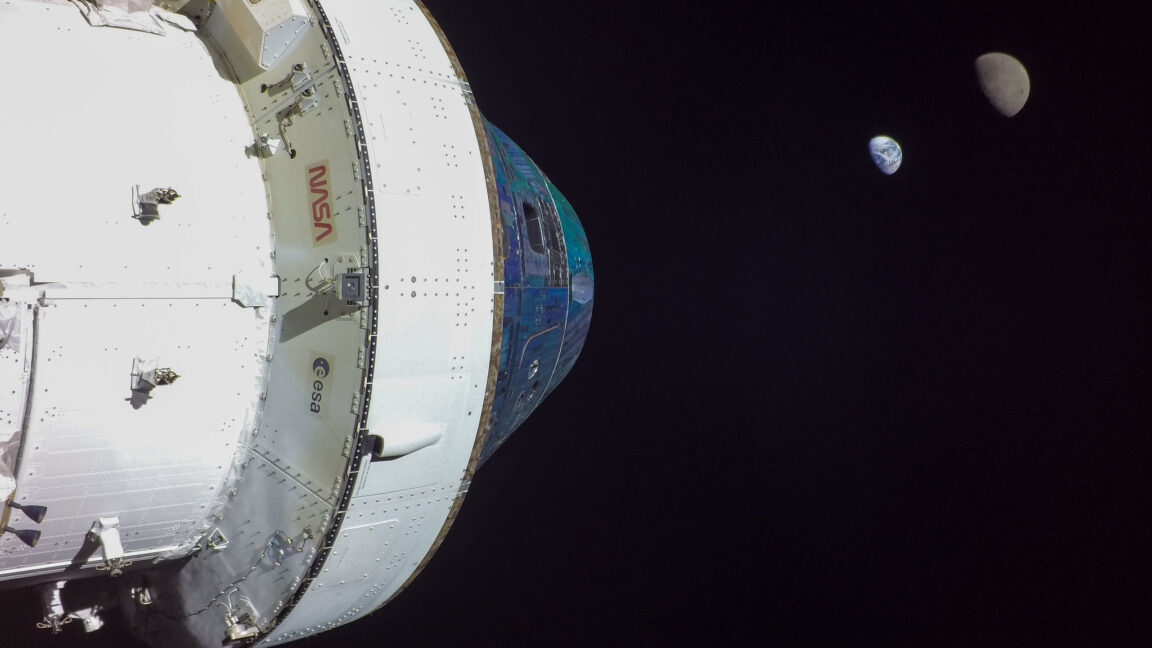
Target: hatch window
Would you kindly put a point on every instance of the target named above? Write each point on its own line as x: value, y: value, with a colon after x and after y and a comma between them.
x: 535, y: 227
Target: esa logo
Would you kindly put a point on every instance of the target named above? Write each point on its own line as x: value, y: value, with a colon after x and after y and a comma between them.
x: 321, y: 369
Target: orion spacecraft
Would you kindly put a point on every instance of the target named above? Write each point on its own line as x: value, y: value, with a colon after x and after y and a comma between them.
x: 271, y: 290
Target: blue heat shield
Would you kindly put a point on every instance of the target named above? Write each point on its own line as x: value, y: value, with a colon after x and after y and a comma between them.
x: 548, y: 288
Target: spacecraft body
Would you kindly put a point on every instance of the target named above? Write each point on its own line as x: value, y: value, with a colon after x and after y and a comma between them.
x: 271, y: 289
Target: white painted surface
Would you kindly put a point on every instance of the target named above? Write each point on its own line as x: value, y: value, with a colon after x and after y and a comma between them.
x: 436, y: 301
x: 268, y: 28
x: 73, y: 150
x: 15, y: 373
x: 244, y: 442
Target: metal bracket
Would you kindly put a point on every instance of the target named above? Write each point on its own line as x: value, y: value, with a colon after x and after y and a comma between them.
x: 216, y: 540
x: 279, y: 544
x: 243, y: 625
x: 147, y: 376
x: 265, y: 146
x: 142, y: 595
x: 146, y: 206
x: 276, y: 547
x: 106, y: 531
x: 307, y: 98
x: 90, y: 617
x: 54, y: 615
x: 300, y: 80
x: 241, y: 628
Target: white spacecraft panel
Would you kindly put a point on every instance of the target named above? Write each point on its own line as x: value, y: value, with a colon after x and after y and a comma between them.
x: 435, y: 331
x: 315, y: 326
x: 255, y: 563
x: 160, y: 116
x: 15, y: 371
x: 89, y: 452
x: 295, y: 467
x: 363, y: 154
x: 267, y: 28
x: 436, y: 254
x: 127, y: 112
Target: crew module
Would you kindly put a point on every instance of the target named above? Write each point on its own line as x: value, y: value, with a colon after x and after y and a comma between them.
x: 271, y: 290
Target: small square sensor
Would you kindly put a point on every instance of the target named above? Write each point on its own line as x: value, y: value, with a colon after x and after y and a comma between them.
x: 352, y: 287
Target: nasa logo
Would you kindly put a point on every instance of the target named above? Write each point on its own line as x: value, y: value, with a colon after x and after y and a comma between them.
x: 321, y: 368
x: 323, y: 231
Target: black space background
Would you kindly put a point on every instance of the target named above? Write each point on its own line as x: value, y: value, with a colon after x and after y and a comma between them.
x: 819, y: 405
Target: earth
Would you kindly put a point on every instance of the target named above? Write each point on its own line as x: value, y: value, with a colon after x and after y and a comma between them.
x: 886, y: 153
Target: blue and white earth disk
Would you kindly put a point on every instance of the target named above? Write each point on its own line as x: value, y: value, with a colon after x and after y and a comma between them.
x: 886, y: 153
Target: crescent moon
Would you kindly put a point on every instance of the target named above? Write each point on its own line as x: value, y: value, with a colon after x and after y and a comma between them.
x: 1004, y: 82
